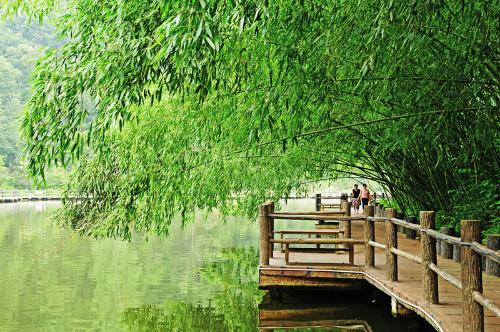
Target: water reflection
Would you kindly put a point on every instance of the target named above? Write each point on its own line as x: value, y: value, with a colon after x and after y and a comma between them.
x: 202, y: 278
x: 233, y: 308
x: 309, y: 310
x: 52, y: 279
x: 239, y: 306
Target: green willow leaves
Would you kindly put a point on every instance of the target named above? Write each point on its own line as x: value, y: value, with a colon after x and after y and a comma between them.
x: 235, y: 85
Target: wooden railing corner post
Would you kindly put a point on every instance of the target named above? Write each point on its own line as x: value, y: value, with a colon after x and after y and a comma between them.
x: 391, y: 242
x: 473, y: 312
x: 369, y: 211
x: 270, y: 210
x: 317, y: 202
x: 428, y: 249
x: 345, y: 207
x: 264, y: 235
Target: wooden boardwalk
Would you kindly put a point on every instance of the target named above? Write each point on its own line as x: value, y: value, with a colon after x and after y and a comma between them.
x: 333, y: 270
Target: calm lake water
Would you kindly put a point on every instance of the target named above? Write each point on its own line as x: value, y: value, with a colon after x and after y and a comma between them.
x: 202, y: 278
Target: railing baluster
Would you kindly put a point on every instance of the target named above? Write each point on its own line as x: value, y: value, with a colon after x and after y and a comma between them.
x: 473, y: 314
x: 264, y: 235
x: 428, y: 248
x: 369, y: 236
x: 270, y: 210
x: 391, y: 242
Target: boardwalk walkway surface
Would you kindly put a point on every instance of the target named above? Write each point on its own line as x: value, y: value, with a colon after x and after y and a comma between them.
x: 332, y: 270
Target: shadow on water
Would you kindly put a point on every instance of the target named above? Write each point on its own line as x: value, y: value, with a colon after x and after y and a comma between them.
x: 312, y: 310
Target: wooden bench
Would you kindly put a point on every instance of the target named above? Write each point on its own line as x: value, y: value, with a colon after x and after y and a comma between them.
x: 317, y: 233
x: 348, y: 242
x: 311, y: 231
x: 324, y: 225
x: 324, y: 206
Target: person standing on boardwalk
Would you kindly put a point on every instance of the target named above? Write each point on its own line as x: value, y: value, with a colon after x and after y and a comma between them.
x: 355, y: 198
x: 365, y: 196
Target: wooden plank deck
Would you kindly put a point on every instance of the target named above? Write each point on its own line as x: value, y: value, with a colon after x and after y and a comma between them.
x: 333, y: 272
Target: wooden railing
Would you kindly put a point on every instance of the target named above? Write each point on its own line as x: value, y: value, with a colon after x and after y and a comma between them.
x: 27, y: 193
x: 319, y: 204
x: 470, y: 282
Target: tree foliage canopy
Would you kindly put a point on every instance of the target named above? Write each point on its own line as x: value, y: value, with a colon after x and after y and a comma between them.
x: 257, y: 97
x: 19, y: 47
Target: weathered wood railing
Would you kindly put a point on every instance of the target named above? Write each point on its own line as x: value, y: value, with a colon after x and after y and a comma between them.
x: 470, y: 282
x: 319, y: 204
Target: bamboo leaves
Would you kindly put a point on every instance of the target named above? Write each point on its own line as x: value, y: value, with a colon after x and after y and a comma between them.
x: 401, y: 83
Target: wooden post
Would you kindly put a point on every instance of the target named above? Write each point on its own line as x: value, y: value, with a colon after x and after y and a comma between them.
x: 447, y: 248
x: 411, y: 234
x: 264, y: 236
x: 317, y: 202
x: 457, y: 253
x: 378, y: 211
x: 344, y: 197
x: 401, y: 216
x: 369, y: 236
x: 345, y: 207
x: 391, y: 234
x: 270, y: 209
x: 493, y: 243
x: 473, y: 315
x: 428, y: 248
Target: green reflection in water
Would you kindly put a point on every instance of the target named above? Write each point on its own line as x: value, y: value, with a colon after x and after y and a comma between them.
x: 54, y: 280
x: 202, y: 278
x: 233, y: 307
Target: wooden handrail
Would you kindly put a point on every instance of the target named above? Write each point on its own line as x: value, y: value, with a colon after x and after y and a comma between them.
x: 407, y: 255
x: 487, y: 303
x: 318, y: 241
x: 406, y: 224
x: 310, y: 213
x: 471, y: 275
x: 447, y: 238
x: 317, y: 231
x: 446, y: 276
x: 376, y: 244
x: 280, y: 215
x: 433, y: 233
x: 480, y: 249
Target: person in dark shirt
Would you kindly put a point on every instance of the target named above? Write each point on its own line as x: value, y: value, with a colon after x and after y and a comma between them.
x: 355, y: 198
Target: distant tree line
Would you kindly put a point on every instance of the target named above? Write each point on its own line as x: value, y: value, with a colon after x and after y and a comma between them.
x: 20, y: 45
